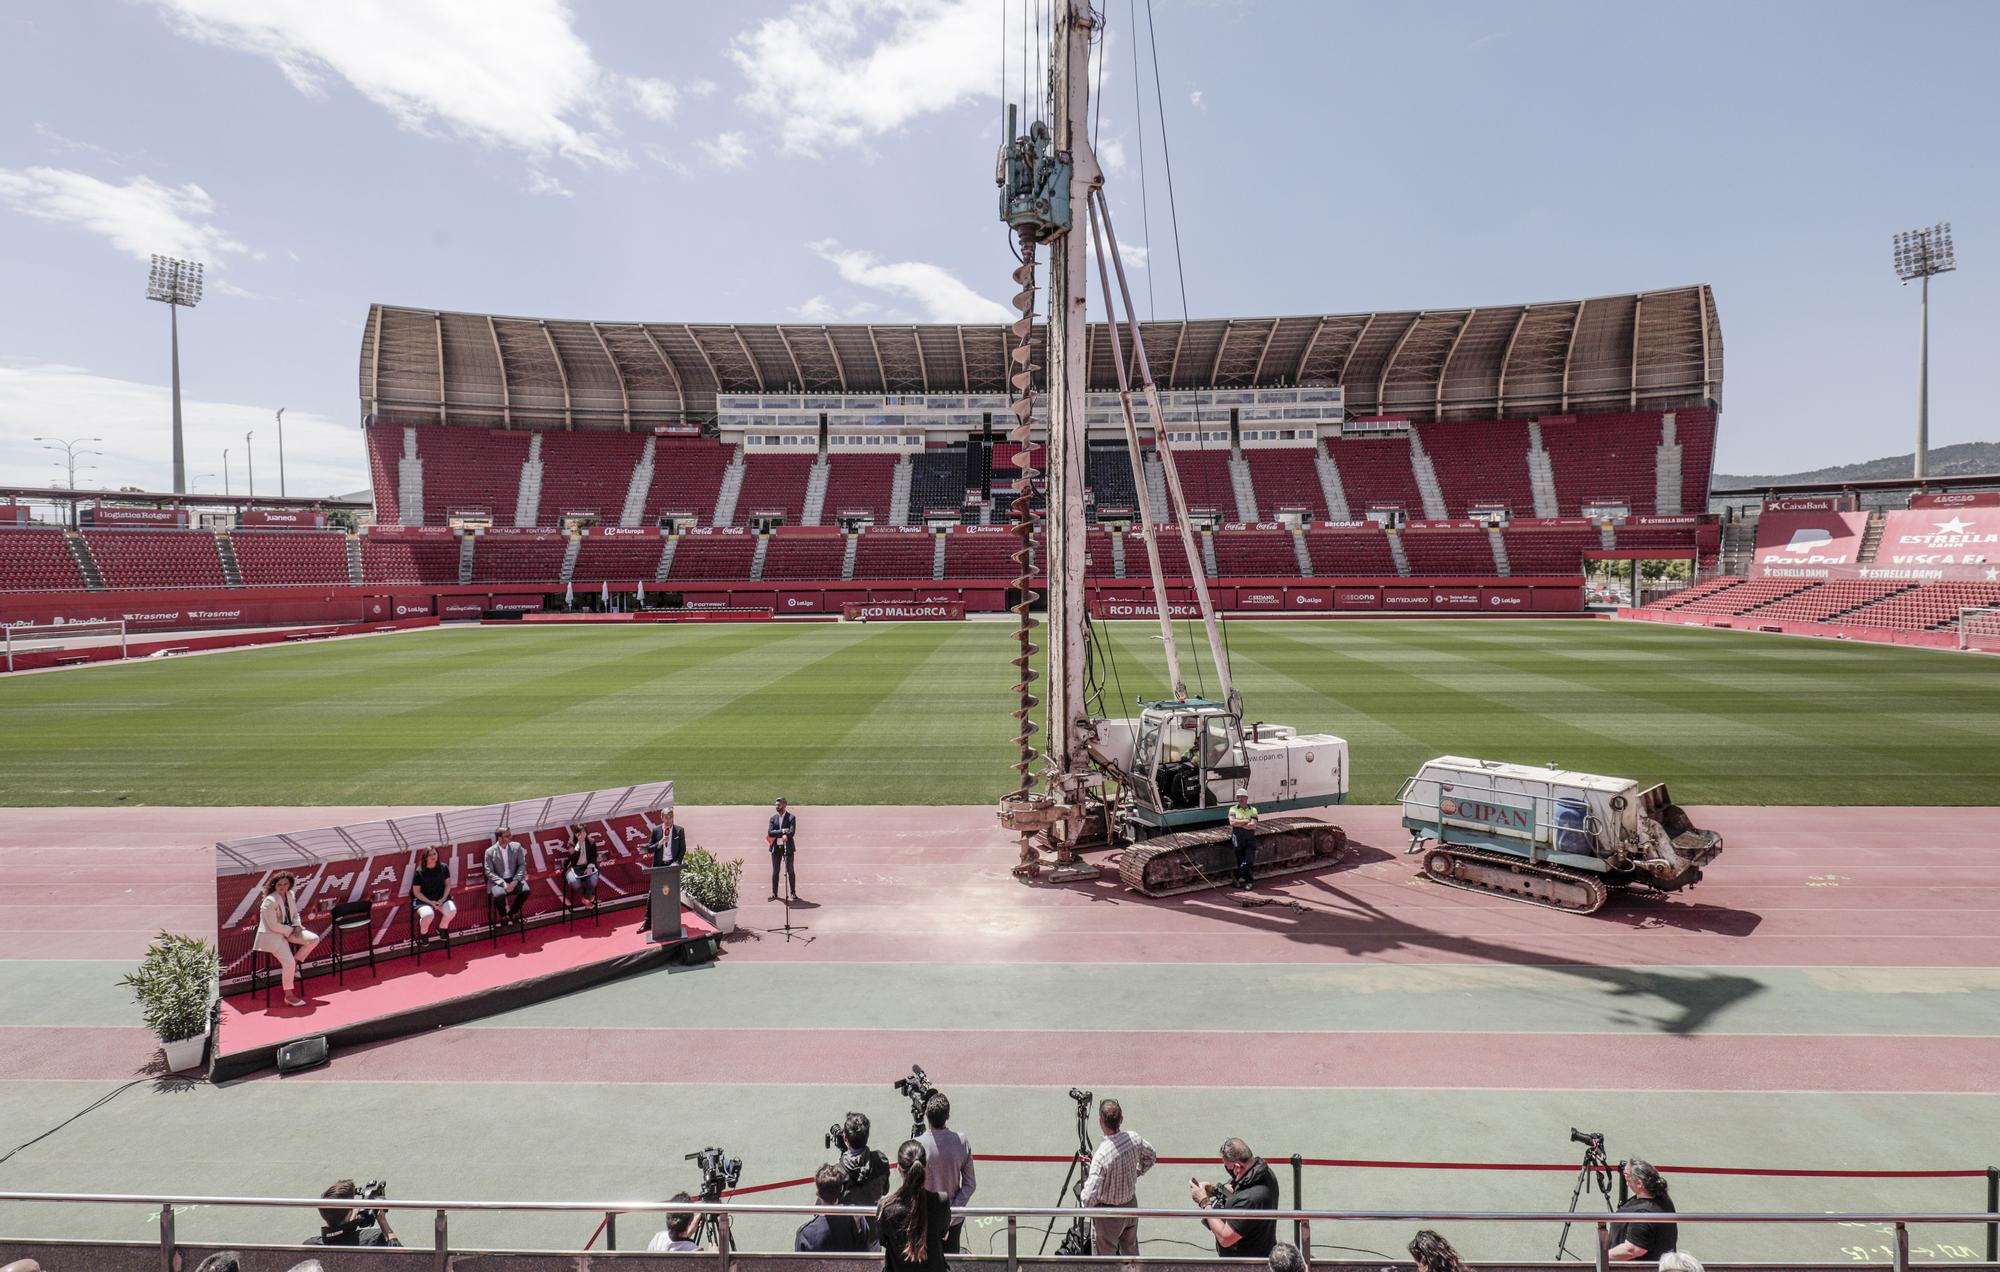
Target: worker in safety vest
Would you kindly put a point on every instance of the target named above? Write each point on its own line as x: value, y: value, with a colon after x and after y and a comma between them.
x: 1243, y: 836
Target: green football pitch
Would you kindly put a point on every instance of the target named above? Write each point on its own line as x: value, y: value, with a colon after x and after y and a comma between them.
x: 918, y: 713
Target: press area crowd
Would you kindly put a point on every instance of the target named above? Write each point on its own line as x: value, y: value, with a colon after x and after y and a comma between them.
x: 917, y: 1198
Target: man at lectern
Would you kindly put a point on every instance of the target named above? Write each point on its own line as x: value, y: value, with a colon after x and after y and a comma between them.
x: 668, y: 844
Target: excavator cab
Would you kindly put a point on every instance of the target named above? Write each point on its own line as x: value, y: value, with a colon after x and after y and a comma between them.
x: 1189, y: 756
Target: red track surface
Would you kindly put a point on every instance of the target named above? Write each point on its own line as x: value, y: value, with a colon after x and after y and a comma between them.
x: 1794, y: 887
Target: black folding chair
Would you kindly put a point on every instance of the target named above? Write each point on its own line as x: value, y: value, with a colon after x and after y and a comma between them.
x: 496, y: 919
x: 352, y: 916
x: 571, y: 905
x: 420, y: 938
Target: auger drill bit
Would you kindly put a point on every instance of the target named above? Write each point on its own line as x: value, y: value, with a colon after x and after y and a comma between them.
x: 1021, y: 375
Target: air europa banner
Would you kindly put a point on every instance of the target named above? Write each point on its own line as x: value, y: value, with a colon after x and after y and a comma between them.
x: 1805, y: 545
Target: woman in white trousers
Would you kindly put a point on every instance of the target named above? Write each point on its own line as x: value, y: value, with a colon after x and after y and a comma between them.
x: 282, y: 935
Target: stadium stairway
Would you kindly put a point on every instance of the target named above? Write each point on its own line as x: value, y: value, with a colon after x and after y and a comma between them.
x: 937, y: 558
x: 354, y: 559
x: 1498, y: 542
x: 726, y: 494
x: 1397, y: 554
x: 640, y: 485
x: 232, y: 573
x: 1667, y: 471
x: 1241, y: 486
x: 1330, y: 486
x: 86, y: 564
x: 899, y: 492
x: 410, y: 481
x: 1156, y: 489
x: 1871, y: 537
x: 466, y: 549
x: 1427, y: 480
x: 757, y: 558
x: 569, y: 558
x: 1541, y: 475
x: 852, y: 546
x: 815, y: 503
x: 667, y: 548
x: 1301, y: 554
x: 528, y: 499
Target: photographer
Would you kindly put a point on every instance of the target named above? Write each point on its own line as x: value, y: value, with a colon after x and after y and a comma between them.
x: 1251, y: 1186
x: 1113, y: 1180
x: 344, y: 1226
x: 678, y: 1235
x: 864, y: 1172
x: 1632, y: 1241
x: 833, y: 1234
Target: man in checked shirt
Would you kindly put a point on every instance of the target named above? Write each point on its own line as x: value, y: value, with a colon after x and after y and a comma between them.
x: 1113, y: 1180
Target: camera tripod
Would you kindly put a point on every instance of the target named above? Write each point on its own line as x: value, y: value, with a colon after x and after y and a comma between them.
x: 1595, y: 1170
x: 1077, y: 1240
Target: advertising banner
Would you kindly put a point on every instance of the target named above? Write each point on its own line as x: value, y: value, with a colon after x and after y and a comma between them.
x: 375, y: 861
x: 1455, y: 598
x: 15, y: 515
x: 165, y: 518
x: 1106, y: 607
x: 1810, y: 503
x: 188, y: 608
x: 1926, y: 538
x: 1406, y: 598
x: 1306, y: 598
x: 1260, y: 598
x: 409, y: 532
x: 1507, y: 598
x: 901, y: 611
x: 798, y: 602
x: 282, y: 519
x: 1357, y: 598
x: 1958, y: 499
x: 622, y: 532
x: 1801, y: 545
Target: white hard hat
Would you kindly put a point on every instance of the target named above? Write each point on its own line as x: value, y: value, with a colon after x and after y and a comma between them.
x: 1242, y: 793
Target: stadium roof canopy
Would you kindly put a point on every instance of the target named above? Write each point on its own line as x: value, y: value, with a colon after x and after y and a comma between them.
x: 1609, y: 353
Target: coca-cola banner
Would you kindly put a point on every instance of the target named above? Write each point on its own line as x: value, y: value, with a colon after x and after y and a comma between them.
x: 282, y: 518
x: 1958, y: 499
x: 375, y: 861
x: 1802, y: 545
x: 164, y: 518
x: 902, y: 612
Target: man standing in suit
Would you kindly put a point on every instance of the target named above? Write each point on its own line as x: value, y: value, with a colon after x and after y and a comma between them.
x: 507, y: 874
x: 781, y: 835
x: 667, y: 845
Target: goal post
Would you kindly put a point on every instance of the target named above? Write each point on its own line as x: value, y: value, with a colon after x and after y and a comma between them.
x: 1980, y: 629
x: 28, y: 638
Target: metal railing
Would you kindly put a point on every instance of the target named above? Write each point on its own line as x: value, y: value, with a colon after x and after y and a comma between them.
x: 1898, y: 1221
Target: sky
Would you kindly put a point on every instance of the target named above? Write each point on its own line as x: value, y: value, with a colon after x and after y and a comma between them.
x: 832, y: 160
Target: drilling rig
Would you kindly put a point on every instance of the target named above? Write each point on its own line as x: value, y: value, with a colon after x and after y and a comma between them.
x: 1156, y: 786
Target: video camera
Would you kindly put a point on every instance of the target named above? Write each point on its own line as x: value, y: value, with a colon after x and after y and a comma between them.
x: 1592, y: 1141
x: 718, y: 1173
x: 919, y: 1090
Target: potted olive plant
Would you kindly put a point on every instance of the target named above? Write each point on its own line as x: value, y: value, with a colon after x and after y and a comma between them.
x: 710, y: 887
x: 175, y: 987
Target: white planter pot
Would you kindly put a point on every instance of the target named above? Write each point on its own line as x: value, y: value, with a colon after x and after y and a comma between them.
x: 724, y: 921
x: 185, y: 1054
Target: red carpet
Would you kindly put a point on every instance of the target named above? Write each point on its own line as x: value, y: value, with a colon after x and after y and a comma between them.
x: 402, y: 996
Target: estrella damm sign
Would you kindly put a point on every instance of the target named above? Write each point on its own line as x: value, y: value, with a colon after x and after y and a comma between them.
x: 1488, y: 813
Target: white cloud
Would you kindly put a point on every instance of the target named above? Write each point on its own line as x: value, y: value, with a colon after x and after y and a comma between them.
x: 542, y: 183
x: 935, y: 289
x: 1111, y: 154
x: 836, y: 72
x: 728, y: 150
x: 820, y: 309
x: 1194, y: 100
x: 59, y: 142
x: 653, y: 98
x: 503, y: 72
x: 140, y: 216
x: 322, y: 457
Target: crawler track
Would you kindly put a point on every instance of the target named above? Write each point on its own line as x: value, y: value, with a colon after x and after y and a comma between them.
x: 1191, y: 860
x: 1555, y: 887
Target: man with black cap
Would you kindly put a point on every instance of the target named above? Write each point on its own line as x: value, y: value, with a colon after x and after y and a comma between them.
x: 781, y: 836
x: 1243, y: 837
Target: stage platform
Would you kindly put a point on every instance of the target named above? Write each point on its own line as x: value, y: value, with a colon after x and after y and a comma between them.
x: 402, y: 996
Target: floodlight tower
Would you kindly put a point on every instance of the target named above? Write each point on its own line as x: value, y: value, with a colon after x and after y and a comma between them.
x: 174, y: 283
x: 1922, y: 254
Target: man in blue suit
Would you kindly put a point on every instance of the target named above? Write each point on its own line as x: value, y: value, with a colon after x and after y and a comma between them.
x: 781, y: 836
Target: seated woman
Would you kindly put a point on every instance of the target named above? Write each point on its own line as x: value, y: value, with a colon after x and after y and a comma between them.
x: 282, y: 935
x: 430, y: 892
x: 580, y: 870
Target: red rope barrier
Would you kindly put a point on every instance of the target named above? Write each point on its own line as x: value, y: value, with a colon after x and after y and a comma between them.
x: 1358, y: 1163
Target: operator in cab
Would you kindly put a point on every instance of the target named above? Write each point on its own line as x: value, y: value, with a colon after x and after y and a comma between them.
x: 1243, y: 837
